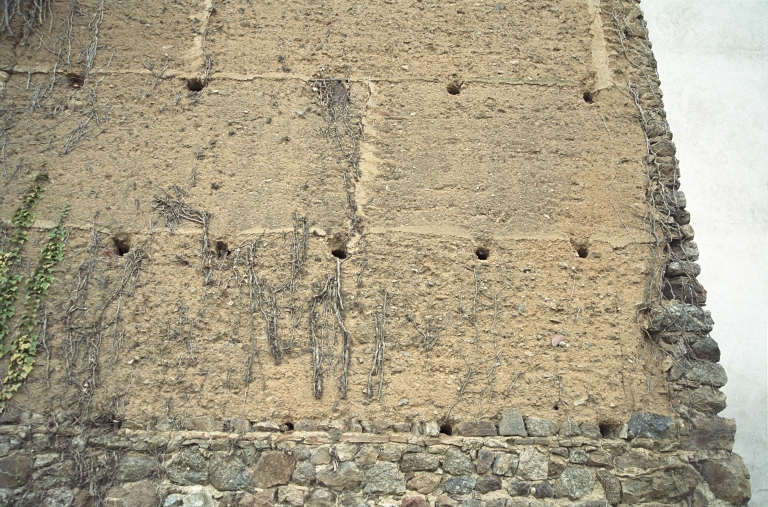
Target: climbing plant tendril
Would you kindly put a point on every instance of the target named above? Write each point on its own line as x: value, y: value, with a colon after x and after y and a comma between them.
x: 23, y: 347
x: 9, y: 260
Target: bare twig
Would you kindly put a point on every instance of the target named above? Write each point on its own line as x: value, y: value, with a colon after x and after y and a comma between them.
x: 622, y: 220
x: 380, y: 330
x: 159, y: 76
x: 431, y: 332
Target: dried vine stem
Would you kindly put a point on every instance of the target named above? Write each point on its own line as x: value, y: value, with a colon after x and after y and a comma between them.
x: 133, y: 264
x: 666, y: 219
x: 471, y: 378
x: 93, y: 111
x: 173, y: 209
x: 661, y: 224
x: 270, y: 311
x: 208, y: 62
x: 323, y: 327
x: 431, y: 332
x: 270, y: 297
x: 346, y: 339
x: 159, y: 76
x: 380, y: 331
x: 78, y: 333
x: 319, y: 337
x: 83, y: 338
x: 42, y: 93
x: 333, y: 98
x: 88, y: 54
x: 34, y: 12
x: 247, y: 254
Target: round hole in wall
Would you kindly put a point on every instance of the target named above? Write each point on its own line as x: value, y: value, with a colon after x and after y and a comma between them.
x: 482, y: 253
x: 588, y: 97
x: 122, y: 245
x: 583, y: 252
x: 446, y: 429
x: 608, y: 430
x: 556, y: 407
x: 453, y: 88
x: 339, y: 253
x: 222, y: 250
x: 75, y: 80
x: 195, y: 84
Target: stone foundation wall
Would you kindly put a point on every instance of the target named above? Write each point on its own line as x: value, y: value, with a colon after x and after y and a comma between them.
x: 507, y: 462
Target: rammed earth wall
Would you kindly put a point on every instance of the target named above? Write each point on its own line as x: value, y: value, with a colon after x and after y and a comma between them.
x: 459, y: 280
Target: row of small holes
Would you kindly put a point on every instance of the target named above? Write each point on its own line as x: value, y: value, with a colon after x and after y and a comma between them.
x: 454, y: 88
x: 123, y: 246
x: 606, y: 430
x: 481, y: 253
x: 197, y: 84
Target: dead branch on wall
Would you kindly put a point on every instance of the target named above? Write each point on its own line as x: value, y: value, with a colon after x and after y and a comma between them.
x: 131, y: 269
x: 207, y: 62
x: 270, y: 311
x: 44, y: 337
x: 482, y: 376
x: 84, y: 115
x: 299, y: 246
x: 483, y: 298
x: 90, y: 470
x: 80, y: 334
x: 430, y: 331
x: 43, y: 92
x: 273, y: 299
x: 93, y: 113
x: 380, y: 332
x: 247, y: 255
x: 173, y: 209
x: 149, y: 64
x: 643, y: 82
x: 88, y: 54
x: 497, y: 310
x: 32, y: 12
x: 83, y: 333
x: 333, y: 97
x: 327, y: 319
x: 320, y: 336
x: 346, y: 339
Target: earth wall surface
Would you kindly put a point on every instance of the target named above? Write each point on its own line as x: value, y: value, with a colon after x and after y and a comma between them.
x: 330, y: 253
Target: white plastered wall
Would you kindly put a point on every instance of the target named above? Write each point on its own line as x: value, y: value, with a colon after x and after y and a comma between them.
x: 713, y: 63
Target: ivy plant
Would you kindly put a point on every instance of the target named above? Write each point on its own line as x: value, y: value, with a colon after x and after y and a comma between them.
x: 23, y: 347
x: 10, y: 258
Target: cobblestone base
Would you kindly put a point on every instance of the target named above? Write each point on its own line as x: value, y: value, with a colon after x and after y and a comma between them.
x: 508, y: 462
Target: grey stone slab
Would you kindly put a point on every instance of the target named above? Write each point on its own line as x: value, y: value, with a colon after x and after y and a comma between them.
x: 512, y: 424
